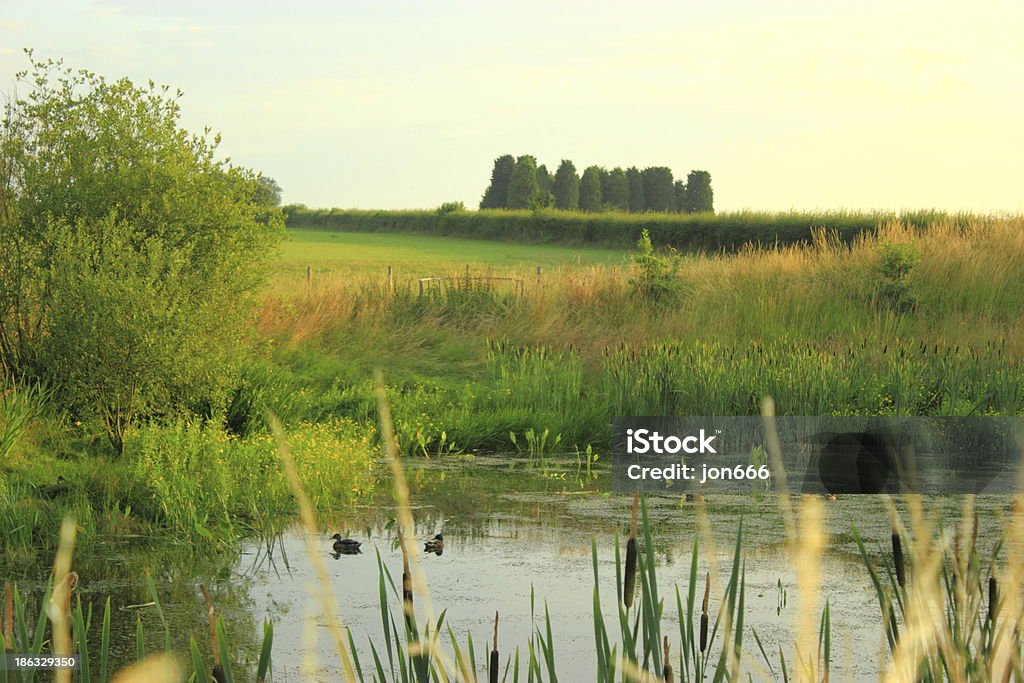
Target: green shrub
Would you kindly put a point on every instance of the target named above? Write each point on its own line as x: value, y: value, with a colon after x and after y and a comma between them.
x: 655, y: 276
x: 131, y: 256
x: 896, y: 265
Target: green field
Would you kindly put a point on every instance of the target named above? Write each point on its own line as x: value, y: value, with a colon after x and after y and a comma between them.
x: 351, y: 253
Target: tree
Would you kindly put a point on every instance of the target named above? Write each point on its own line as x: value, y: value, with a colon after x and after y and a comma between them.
x: 544, y: 182
x: 268, y: 192
x: 566, y: 187
x: 131, y: 256
x: 523, y: 191
x: 615, y: 191
x: 636, y: 190
x: 590, y: 189
x: 699, y: 196
x: 679, y: 187
x: 496, y: 195
x: 659, y: 194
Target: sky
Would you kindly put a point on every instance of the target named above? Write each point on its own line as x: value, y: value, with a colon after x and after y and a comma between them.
x: 789, y: 104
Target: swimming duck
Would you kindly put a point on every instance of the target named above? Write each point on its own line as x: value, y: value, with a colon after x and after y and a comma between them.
x: 435, y: 545
x: 52, y: 491
x: 345, y: 546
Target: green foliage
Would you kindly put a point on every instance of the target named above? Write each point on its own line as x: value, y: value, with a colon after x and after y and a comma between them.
x: 19, y: 406
x: 615, y: 190
x: 679, y: 187
x: 659, y: 194
x: 685, y: 232
x: 654, y: 276
x: 895, y: 268
x: 268, y: 192
x: 637, y: 204
x: 590, y: 190
x: 523, y: 191
x: 496, y: 195
x: 566, y: 187
x: 449, y: 207
x: 698, y: 197
x: 545, y: 181
x: 131, y: 254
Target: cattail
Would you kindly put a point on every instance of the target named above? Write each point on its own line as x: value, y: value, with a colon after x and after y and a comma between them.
x: 993, y: 599
x: 704, y: 615
x: 211, y: 617
x: 629, y: 580
x: 493, y: 668
x: 897, y: 558
x: 666, y: 671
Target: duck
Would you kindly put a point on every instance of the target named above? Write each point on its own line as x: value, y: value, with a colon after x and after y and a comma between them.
x: 435, y: 545
x: 346, y: 546
x: 57, y: 490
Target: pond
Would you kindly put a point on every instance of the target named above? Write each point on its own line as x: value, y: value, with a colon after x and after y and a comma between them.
x: 510, y: 531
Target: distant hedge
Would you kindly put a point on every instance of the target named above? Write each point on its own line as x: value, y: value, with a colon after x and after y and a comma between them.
x: 686, y: 232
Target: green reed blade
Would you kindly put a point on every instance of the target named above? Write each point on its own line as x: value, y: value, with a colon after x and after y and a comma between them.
x: 198, y: 666
x: 268, y: 643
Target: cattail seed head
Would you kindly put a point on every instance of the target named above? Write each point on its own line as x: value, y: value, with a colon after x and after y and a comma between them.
x: 993, y: 599
x: 897, y: 558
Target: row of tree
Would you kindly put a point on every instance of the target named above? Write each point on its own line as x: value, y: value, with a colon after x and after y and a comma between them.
x: 522, y: 184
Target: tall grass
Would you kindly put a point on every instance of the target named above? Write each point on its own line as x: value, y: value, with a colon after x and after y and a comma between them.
x: 814, y: 325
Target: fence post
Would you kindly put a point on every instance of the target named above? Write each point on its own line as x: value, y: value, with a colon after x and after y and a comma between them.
x: 421, y: 288
x: 309, y: 276
x: 390, y: 282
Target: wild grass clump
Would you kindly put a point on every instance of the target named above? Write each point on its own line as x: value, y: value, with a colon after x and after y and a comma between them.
x: 194, y: 483
x: 201, y: 481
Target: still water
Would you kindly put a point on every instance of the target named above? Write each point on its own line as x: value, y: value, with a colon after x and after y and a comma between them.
x: 510, y: 531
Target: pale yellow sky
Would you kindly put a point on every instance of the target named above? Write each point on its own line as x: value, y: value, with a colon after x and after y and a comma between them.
x: 807, y: 105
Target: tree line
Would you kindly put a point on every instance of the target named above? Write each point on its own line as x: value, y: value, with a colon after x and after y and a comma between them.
x: 519, y: 183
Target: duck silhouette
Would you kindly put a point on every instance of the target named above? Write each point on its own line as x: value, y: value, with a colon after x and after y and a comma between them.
x: 57, y: 490
x: 345, y: 546
x: 435, y: 545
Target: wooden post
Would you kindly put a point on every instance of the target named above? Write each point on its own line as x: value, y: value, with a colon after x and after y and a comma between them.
x: 538, y: 272
x: 390, y: 282
x: 421, y: 288
x: 309, y: 276
x: 467, y: 272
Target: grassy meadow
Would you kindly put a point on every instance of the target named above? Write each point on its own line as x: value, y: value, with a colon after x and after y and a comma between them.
x: 824, y: 328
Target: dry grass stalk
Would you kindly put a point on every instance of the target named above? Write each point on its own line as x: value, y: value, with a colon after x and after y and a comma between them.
x: 59, y: 609
x: 410, y: 550
x: 328, y: 603
x: 807, y: 558
x: 8, y: 629
x: 211, y: 621
x: 159, y: 668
